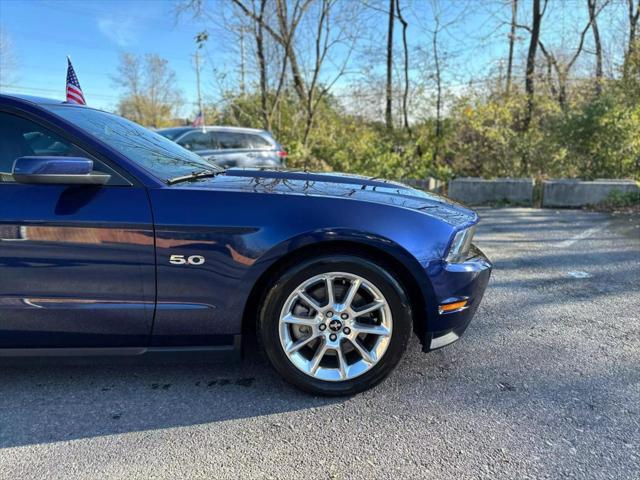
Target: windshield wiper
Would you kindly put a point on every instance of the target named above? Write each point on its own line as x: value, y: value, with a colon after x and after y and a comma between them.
x: 194, y: 176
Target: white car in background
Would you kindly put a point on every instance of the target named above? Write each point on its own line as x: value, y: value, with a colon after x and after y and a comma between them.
x: 230, y: 146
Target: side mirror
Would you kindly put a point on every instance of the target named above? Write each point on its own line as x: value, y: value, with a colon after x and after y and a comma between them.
x: 57, y: 170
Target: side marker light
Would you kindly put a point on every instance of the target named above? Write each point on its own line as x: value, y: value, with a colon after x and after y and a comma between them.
x: 450, y: 307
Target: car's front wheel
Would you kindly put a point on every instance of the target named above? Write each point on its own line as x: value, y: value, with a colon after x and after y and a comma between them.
x: 335, y: 325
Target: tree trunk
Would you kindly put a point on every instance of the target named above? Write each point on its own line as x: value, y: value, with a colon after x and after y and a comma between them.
x: 531, y: 67
x: 320, y: 51
x: 388, y: 112
x: 262, y: 66
x: 512, y: 41
x: 405, y: 46
x: 598, y: 44
x: 287, y: 34
x: 563, y: 77
x: 633, y: 40
x: 552, y: 87
x: 284, y: 36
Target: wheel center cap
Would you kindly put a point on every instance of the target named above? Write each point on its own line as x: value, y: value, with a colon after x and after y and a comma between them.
x: 335, y: 325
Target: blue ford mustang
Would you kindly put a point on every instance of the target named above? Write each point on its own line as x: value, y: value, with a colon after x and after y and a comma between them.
x: 114, y: 241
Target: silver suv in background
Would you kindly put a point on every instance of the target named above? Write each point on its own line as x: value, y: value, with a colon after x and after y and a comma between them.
x: 230, y: 146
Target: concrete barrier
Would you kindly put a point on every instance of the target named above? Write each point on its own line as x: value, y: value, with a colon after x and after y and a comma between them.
x: 576, y: 193
x: 429, y: 183
x: 478, y: 191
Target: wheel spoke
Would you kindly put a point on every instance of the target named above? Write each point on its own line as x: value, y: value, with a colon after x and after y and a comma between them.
x: 331, y: 299
x: 380, y: 330
x: 295, y: 346
x: 295, y: 320
x: 353, y: 289
x: 364, y: 353
x: 372, y: 307
x: 317, y: 358
x: 302, y: 295
x: 342, y: 363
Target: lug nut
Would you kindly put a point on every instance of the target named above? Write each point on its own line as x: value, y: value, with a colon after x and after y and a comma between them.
x: 333, y: 337
x: 329, y: 313
x: 322, y: 327
x: 346, y: 330
x: 344, y: 316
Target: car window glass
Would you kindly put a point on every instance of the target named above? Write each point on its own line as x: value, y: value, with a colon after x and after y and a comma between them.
x: 20, y: 137
x: 259, y: 142
x: 157, y: 154
x: 196, y: 141
x: 228, y: 140
x: 212, y: 141
x: 172, y: 133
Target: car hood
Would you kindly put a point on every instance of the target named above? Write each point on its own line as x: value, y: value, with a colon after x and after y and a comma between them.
x: 337, y: 185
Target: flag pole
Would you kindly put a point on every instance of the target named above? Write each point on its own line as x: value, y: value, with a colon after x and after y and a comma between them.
x: 198, y: 86
x: 68, y: 62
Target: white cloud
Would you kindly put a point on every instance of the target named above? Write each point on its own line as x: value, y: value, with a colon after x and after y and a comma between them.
x: 120, y: 31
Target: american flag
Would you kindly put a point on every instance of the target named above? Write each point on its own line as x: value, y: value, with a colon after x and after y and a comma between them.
x: 74, y: 91
x: 199, y: 120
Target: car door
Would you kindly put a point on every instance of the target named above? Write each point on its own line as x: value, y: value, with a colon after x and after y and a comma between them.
x: 196, y: 141
x: 234, y: 149
x: 264, y: 152
x: 77, y: 263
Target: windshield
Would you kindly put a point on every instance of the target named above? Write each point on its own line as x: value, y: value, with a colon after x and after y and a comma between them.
x: 158, y: 155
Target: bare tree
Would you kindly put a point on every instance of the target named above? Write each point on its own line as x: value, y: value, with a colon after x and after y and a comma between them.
x: 321, y: 49
x: 150, y: 96
x: 405, y: 48
x: 262, y: 65
x: 329, y: 33
x: 288, y: 26
x: 388, y: 110
x: 563, y: 69
x: 271, y: 56
x: 435, y: 8
x: 512, y: 41
x: 284, y: 34
x: 634, y: 40
x: 593, y: 13
x: 538, y: 13
x: 282, y: 31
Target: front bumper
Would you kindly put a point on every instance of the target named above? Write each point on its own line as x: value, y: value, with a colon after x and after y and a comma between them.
x: 453, y: 282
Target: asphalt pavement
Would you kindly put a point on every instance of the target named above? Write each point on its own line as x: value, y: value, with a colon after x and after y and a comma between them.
x: 544, y: 384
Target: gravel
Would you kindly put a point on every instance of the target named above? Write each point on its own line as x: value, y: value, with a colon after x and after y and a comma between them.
x: 545, y: 384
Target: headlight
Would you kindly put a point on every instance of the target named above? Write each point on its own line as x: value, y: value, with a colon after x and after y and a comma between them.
x: 460, y: 245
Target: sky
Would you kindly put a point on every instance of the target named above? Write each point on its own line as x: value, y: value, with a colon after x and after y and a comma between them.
x: 96, y: 32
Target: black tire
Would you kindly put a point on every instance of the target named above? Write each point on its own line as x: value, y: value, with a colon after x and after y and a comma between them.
x: 291, y: 278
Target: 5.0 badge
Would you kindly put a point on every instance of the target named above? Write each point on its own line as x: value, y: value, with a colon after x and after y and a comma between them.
x: 182, y: 260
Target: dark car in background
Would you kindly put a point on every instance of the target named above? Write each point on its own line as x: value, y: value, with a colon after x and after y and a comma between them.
x: 230, y: 146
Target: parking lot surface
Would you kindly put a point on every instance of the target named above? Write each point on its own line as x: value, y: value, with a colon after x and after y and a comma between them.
x: 544, y: 384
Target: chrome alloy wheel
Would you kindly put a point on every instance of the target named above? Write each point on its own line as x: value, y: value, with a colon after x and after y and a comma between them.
x: 335, y: 326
